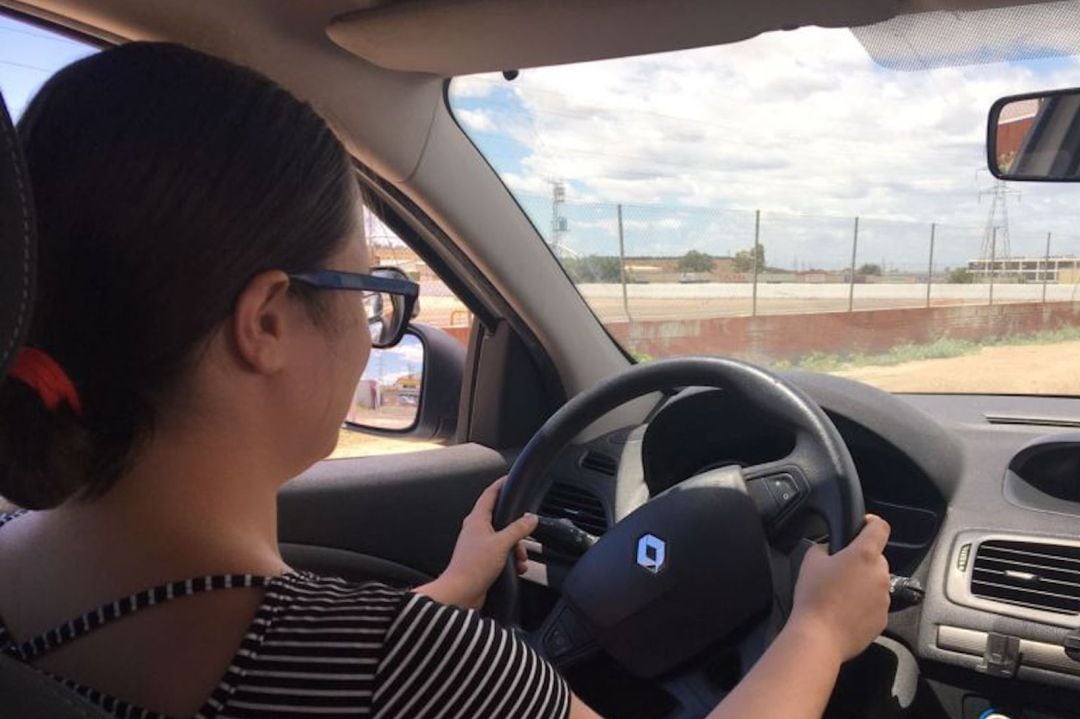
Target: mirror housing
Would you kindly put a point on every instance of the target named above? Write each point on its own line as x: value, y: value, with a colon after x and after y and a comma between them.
x: 1035, y: 137
x: 436, y: 399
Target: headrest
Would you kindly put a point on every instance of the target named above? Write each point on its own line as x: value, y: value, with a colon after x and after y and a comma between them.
x: 18, y: 243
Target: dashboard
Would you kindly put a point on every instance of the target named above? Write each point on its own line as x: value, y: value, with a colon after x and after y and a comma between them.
x: 982, y: 492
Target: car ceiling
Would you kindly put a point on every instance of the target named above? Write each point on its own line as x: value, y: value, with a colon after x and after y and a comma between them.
x: 455, y: 37
x: 469, y: 36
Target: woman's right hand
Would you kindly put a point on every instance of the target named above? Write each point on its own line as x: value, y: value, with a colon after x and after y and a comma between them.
x: 844, y: 598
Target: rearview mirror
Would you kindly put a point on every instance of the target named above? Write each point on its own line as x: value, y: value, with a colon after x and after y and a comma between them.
x: 411, y: 390
x: 388, y: 394
x: 1035, y: 137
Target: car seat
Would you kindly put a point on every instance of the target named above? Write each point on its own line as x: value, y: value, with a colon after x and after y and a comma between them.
x: 25, y: 692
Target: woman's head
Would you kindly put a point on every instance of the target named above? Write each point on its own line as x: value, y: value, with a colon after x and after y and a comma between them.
x: 174, y: 191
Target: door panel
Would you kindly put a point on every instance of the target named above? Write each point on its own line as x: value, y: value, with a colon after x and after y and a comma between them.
x: 403, y: 508
x: 354, y: 566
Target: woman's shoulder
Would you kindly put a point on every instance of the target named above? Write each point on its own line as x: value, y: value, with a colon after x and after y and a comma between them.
x: 300, y: 602
x: 329, y: 591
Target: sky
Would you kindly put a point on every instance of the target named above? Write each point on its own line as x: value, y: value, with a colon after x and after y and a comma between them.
x: 29, y: 55
x: 802, y: 125
x: 392, y: 363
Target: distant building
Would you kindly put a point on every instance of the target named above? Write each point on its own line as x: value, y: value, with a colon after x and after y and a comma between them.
x: 1027, y: 269
x: 404, y: 391
x: 402, y: 257
x: 666, y: 269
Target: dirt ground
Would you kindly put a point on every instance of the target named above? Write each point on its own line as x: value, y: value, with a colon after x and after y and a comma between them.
x: 1019, y: 369
x: 357, y: 444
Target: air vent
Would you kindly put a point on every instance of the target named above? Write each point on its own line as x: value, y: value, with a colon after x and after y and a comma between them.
x: 579, y: 505
x: 599, y: 462
x: 1028, y: 574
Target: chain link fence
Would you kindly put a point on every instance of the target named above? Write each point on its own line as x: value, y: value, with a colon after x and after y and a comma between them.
x: 650, y: 262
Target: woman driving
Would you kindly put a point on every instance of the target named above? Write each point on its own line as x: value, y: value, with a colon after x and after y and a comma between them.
x: 205, y: 308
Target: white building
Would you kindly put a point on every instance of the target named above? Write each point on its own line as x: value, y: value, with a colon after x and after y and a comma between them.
x: 1027, y: 269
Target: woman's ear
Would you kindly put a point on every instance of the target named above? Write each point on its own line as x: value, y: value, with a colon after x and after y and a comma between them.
x: 260, y: 320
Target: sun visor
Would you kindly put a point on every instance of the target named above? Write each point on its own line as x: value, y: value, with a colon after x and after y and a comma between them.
x: 460, y: 37
x: 972, y: 37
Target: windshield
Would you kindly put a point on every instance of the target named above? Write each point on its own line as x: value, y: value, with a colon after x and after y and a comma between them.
x: 792, y: 201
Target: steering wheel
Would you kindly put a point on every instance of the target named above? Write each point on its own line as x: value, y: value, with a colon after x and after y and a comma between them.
x: 712, y: 558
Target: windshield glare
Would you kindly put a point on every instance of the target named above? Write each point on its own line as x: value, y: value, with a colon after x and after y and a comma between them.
x: 790, y: 201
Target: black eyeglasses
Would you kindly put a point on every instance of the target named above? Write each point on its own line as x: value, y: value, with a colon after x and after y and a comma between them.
x: 389, y: 298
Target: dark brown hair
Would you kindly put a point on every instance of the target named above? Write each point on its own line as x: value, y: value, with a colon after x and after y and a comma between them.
x: 165, y: 179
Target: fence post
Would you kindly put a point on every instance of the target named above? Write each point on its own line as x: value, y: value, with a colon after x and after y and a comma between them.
x: 757, y: 243
x: 993, y: 261
x: 1046, y: 267
x: 854, y: 252
x: 622, y: 266
x: 930, y: 269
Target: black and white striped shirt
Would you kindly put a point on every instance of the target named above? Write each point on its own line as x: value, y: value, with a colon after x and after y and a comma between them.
x: 328, y: 647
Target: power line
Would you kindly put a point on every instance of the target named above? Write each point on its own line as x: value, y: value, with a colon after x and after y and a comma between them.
x: 43, y: 36
x: 27, y: 67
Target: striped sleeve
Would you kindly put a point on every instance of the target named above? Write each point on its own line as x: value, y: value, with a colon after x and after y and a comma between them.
x: 442, y: 662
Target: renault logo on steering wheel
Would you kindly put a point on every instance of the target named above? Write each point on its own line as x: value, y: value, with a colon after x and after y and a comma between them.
x: 651, y: 553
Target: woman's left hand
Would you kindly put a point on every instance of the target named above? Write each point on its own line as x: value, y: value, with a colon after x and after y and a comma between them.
x: 480, y: 554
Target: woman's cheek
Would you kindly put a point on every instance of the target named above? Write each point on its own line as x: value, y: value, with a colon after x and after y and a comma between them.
x: 352, y: 353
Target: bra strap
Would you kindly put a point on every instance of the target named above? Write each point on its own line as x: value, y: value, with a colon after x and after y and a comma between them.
x: 46, y: 642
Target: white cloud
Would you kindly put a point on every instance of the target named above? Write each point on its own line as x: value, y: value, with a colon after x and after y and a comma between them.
x: 409, y: 350
x: 476, y: 120
x: 532, y: 184
x: 472, y: 86
x: 797, y: 122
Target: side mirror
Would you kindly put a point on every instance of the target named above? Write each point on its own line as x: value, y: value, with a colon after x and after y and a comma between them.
x: 1035, y: 137
x: 411, y: 390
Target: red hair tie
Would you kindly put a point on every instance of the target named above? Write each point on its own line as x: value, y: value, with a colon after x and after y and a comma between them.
x: 46, y: 377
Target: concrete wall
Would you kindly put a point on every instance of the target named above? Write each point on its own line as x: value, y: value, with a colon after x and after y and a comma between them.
x: 795, y: 335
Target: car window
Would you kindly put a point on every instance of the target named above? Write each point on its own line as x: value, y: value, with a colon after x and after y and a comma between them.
x: 30, y: 54
x: 389, y: 391
x: 793, y: 200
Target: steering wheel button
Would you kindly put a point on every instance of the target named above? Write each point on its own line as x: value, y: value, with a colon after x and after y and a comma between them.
x: 557, y: 641
x: 784, y: 490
